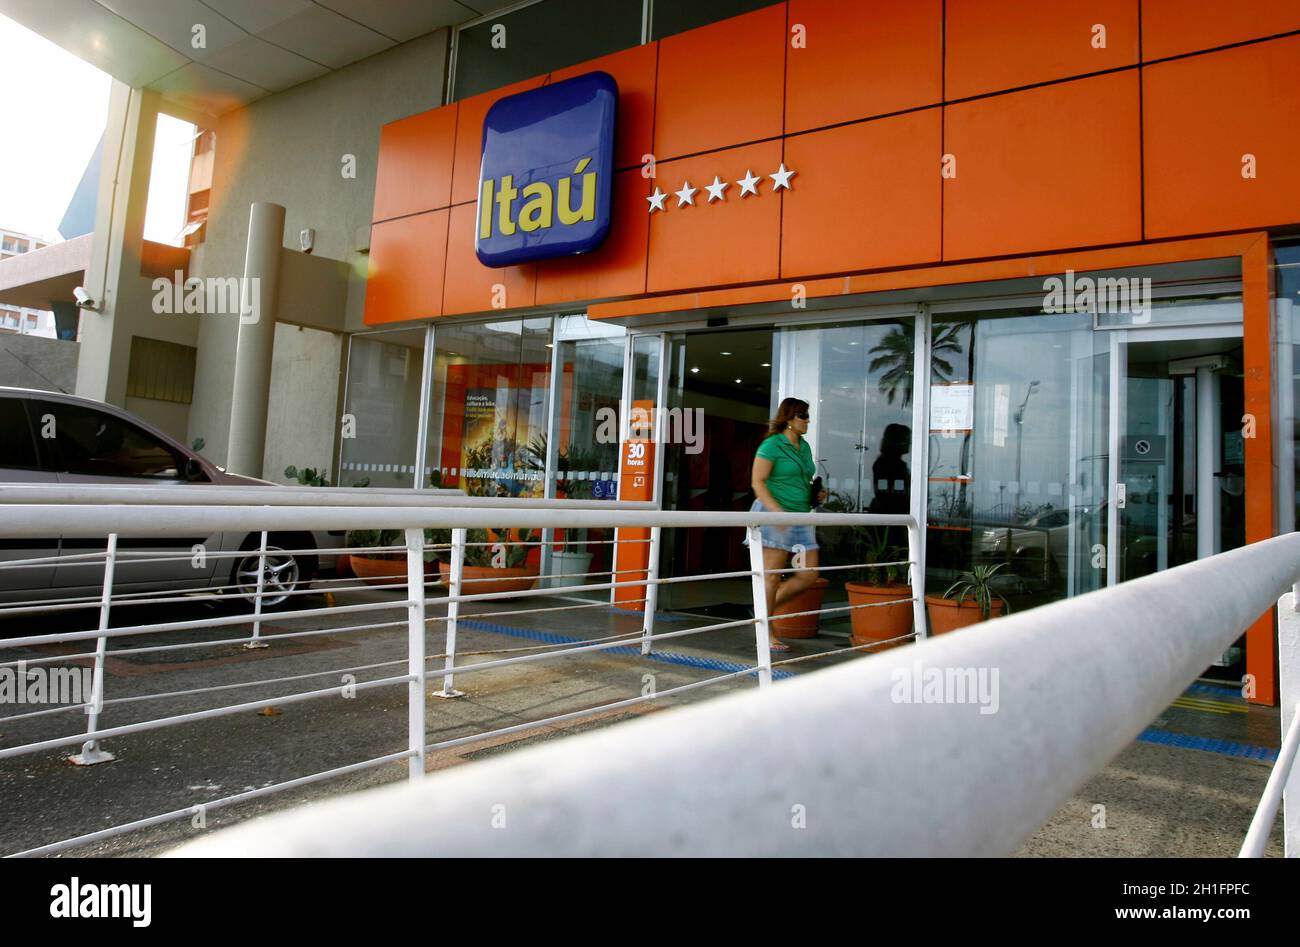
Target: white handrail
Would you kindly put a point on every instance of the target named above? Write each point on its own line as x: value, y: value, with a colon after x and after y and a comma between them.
x: 835, y: 762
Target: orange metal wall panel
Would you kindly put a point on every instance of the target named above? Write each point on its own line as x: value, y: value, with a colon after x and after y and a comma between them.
x: 1174, y: 27
x: 414, y: 172
x: 721, y: 85
x: 1044, y: 169
x: 634, y: 71
x: 735, y: 240
x: 862, y: 58
x: 1005, y: 44
x: 618, y: 267
x: 1202, y: 114
x: 470, y: 286
x: 407, y: 256
x: 469, y: 138
x: 865, y: 196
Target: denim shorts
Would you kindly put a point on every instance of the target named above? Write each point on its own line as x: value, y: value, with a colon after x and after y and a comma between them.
x: 785, y: 537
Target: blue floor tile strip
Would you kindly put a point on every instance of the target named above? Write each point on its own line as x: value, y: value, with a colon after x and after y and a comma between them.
x: 1188, y: 742
x: 1212, y: 690
x: 663, y: 657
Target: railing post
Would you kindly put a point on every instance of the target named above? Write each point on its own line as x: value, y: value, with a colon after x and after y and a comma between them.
x: 651, y: 592
x: 90, y: 752
x: 453, y: 611
x: 1288, y: 662
x: 758, y: 579
x: 257, y: 641
x: 415, y: 666
x: 916, y: 575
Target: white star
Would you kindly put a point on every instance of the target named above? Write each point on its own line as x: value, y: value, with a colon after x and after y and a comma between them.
x: 686, y: 195
x: 782, y: 178
x: 716, y: 188
x: 657, y: 200
x: 749, y: 183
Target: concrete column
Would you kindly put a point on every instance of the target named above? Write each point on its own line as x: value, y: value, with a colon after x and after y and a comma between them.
x: 248, y: 400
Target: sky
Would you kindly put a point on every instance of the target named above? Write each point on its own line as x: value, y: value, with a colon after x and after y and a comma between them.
x: 52, y: 114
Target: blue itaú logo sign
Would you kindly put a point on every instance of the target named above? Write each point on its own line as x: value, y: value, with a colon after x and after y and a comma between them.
x: 548, y: 165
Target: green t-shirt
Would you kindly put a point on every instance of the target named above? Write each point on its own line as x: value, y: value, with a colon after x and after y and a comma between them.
x: 792, y: 472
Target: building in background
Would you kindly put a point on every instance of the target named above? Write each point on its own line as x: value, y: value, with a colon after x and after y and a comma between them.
x: 36, y: 322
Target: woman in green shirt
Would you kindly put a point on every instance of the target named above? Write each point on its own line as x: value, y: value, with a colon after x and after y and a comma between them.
x: 782, y: 477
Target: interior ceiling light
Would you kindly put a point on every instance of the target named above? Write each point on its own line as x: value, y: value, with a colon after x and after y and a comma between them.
x: 724, y: 353
x: 695, y: 370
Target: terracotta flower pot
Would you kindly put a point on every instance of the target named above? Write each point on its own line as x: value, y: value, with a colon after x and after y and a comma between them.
x: 946, y: 615
x: 805, y: 626
x: 497, y: 580
x: 376, y: 571
x: 881, y: 622
x: 343, y: 566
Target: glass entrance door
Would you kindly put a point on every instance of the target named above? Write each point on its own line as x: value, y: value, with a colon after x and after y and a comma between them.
x: 1177, y: 492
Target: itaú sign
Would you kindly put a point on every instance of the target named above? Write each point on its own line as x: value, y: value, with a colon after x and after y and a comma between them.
x: 547, y: 170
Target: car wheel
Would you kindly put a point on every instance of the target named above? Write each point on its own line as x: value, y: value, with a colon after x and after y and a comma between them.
x: 284, y: 575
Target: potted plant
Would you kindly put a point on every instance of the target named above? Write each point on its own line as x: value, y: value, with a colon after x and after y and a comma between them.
x: 803, y: 626
x: 388, y: 567
x: 948, y: 613
x: 877, y: 584
x: 495, y: 561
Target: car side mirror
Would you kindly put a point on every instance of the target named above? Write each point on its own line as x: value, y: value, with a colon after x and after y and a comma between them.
x: 194, y: 471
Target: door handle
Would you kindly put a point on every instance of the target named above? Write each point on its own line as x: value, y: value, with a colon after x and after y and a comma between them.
x: 1121, y: 495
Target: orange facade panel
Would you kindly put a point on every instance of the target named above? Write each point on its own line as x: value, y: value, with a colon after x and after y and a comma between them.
x: 1221, y: 132
x: 854, y: 59
x: 1044, y: 169
x: 634, y: 71
x: 469, y: 138
x: 865, y: 196
x: 1007, y: 44
x: 407, y: 256
x: 618, y: 267
x: 1175, y: 27
x: 736, y: 239
x: 414, y: 172
x: 472, y: 287
x: 721, y: 85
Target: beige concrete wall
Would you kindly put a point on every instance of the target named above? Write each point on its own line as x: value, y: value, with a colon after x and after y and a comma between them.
x: 300, y: 418
x: 288, y: 148
x: 30, y: 361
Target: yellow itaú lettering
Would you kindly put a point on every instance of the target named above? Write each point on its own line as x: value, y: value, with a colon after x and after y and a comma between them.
x: 506, y: 195
x: 485, y: 211
x: 535, y: 214
x: 588, y: 209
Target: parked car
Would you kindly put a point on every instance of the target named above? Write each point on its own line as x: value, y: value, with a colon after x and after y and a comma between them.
x: 48, y: 438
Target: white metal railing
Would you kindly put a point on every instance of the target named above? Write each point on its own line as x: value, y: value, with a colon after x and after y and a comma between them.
x: 123, y: 512
x: 837, y: 762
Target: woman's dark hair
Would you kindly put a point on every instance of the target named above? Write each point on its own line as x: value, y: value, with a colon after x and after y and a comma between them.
x: 785, y: 411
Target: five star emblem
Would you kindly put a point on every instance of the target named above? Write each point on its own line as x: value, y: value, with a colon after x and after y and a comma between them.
x: 656, y: 200
x: 782, y: 178
x: 716, y: 188
x: 749, y: 183
x: 686, y: 195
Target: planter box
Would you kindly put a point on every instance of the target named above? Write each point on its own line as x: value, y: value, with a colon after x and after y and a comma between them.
x: 375, y: 571
x: 492, y: 580
x: 568, y: 569
x: 880, y: 622
x: 946, y: 615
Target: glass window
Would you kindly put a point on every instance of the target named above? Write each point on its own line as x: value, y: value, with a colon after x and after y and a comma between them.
x: 591, y: 386
x: 1018, y: 453
x: 1287, y: 389
x: 94, y: 443
x: 489, y: 407
x: 678, y: 16
x: 17, y: 446
x: 381, y: 409
x: 536, y: 39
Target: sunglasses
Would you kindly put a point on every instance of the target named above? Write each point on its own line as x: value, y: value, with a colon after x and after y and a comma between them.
x: 802, y: 415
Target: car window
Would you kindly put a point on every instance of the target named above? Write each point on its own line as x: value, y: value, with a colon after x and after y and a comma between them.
x: 17, y: 446
x: 95, y: 443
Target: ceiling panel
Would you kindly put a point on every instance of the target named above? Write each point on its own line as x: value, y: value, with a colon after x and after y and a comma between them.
x: 403, y: 21
x: 198, y: 87
x: 173, y: 22
x: 94, y: 34
x: 258, y: 15
x: 324, y: 36
x: 262, y: 64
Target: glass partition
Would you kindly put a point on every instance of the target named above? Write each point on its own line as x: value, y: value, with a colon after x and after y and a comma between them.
x: 585, y: 465
x: 381, y: 409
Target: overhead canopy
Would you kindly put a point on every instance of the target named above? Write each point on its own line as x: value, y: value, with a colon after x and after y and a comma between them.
x: 248, y: 49
x: 37, y: 279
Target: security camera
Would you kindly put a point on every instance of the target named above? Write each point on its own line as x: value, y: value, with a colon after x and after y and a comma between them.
x: 307, y: 239
x: 83, y: 298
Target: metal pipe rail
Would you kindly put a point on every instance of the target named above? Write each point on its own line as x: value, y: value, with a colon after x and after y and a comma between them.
x: 853, y: 760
